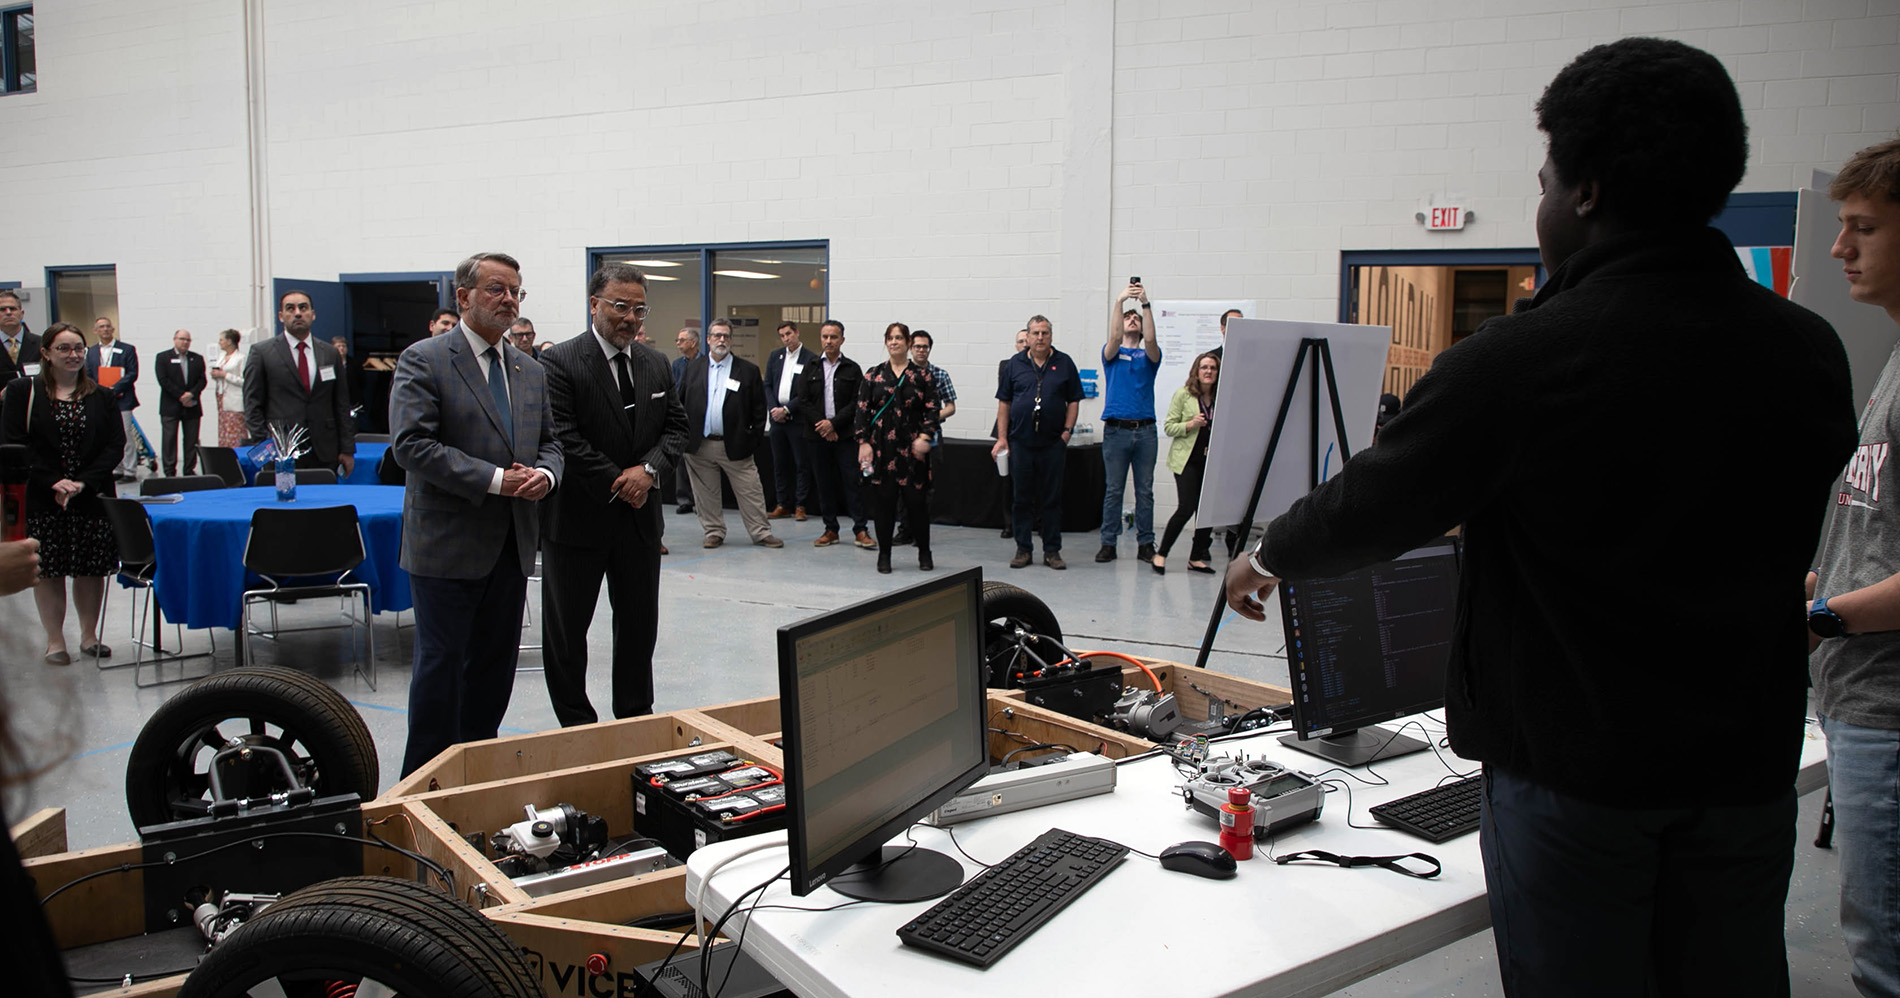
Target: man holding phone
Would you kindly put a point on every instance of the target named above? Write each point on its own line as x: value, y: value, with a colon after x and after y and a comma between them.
x: 1129, y: 360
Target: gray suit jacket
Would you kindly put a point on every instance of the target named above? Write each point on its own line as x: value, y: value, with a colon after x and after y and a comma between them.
x: 599, y: 438
x: 274, y: 395
x: 447, y: 433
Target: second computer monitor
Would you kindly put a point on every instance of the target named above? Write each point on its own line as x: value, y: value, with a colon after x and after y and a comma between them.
x: 1369, y: 646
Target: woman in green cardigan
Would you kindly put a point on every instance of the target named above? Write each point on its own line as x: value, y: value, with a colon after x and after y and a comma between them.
x: 1190, y: 415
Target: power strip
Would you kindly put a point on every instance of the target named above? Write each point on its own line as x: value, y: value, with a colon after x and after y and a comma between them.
x: 1082, y: 774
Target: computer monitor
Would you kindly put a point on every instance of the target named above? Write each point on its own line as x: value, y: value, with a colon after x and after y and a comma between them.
x: 883, y: 712
x: 1369, y: 646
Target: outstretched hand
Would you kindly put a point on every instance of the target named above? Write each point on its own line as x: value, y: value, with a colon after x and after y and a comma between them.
x: 1246, y: 588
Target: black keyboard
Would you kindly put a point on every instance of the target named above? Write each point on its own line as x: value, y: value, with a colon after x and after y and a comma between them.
x: 1001, y: 906
x: 1443, y: 812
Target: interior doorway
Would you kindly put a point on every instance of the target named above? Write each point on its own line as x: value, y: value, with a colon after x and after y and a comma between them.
x: 1431, y: 300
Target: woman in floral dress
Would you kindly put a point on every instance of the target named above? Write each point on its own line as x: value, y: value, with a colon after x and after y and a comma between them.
x: 74, y: 437
x: 227, y: 379
x: 897, y: 420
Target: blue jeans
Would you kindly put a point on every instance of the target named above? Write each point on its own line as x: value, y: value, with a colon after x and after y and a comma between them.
x: 1863, y: 772
x: 1592, y: 901
x: 1123, y: 448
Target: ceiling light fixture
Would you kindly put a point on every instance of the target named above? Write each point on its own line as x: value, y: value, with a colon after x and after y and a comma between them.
x: 750, y: 275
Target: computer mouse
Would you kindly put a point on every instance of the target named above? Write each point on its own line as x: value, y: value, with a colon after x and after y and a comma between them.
x: 1202, y: 859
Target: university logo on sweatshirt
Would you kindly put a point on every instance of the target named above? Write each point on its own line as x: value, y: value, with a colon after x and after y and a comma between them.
x: 1863, y: 476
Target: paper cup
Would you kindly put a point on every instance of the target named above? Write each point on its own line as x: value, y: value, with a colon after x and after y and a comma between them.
x: 1002, y: 464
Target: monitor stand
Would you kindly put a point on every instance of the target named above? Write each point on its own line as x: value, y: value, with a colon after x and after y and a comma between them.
x: 1356, y: 748
x: 900, y: 874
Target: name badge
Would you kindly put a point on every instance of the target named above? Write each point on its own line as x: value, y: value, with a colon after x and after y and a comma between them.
x: 177, y: 359
x: 732, y: 384
x: 659, y: 395
x: 30, y: 370
x: 326, y: 374
x: 796, y: 368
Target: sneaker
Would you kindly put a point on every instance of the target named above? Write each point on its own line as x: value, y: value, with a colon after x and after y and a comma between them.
x: 1146, y: 552
x: 714, y: 540
x: 864, y: 541
x: 1107, y: 553
x: 769, y: 541
x: 1054, y: 560
x: 778, y: 513
x: 826, y: 539
x: 1023, y: 556
x: 799, y: 514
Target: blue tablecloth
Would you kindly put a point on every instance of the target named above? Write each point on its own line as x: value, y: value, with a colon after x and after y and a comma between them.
x: 200, y: 543
x: 363, y: 474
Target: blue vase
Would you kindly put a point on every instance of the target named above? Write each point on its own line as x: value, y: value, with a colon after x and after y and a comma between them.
x: 286, y: 480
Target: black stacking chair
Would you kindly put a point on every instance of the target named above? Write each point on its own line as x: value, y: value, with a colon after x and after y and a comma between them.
x: 162, y: 486
x: 222, y: 462
x: 372, y: 438
x: 303, y: 552
x: 138, y: 565
x: 305, y: 476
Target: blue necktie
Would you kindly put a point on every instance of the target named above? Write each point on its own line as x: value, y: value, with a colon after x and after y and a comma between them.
x: 499, y: 388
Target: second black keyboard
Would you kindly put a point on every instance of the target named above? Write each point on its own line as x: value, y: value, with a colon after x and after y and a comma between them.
x: 1443, y: 812
x: 1001, y: 906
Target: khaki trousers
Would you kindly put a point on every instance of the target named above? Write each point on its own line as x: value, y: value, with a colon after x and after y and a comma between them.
x: 703, y: 468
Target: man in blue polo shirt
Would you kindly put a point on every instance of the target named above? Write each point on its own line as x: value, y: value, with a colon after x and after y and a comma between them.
x: 1129, y: 359
x: 1037, y: 396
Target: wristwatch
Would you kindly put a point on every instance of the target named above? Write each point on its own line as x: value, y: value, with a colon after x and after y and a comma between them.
x: 1825, y: 622
x: 652, y: 472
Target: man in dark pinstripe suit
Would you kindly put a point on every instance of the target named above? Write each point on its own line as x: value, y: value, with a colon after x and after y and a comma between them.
x: 621, y: 428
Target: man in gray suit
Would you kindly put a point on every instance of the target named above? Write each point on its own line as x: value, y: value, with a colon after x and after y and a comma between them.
x: 297, y: 380
x: 621, y: 427
x: 468, y: 421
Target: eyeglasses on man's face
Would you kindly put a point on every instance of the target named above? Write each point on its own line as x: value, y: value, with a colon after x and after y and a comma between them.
x: 623, y: 308
x: 499, y: 291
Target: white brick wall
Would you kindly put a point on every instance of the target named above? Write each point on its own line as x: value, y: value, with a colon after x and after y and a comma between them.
x: 971, y: 163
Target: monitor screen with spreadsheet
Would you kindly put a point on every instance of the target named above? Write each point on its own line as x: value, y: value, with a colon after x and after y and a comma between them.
x: 883, y: 707
x: 1369, y: 646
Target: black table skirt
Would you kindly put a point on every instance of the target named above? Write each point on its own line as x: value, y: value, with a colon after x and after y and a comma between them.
x: 966, y: 490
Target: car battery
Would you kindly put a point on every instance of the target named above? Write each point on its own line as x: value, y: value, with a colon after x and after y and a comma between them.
x: 686, y: 814
x: 686, y: 766
x: 760, y: 808
x: 659, y: 810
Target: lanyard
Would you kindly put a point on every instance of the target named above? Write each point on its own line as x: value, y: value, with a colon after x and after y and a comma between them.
x: 1394, y: 863
x: 891, y: 398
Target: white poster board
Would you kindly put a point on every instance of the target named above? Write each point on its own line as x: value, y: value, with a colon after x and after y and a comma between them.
x: 1185, y: 330
x: 1259, y: 357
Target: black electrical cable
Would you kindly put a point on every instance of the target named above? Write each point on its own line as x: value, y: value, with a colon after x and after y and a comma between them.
x: 249, y: 840
x: 1033, y: 748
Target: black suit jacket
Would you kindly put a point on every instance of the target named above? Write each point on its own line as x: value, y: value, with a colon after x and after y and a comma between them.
x: 174, y: 379
x: 29, y: 354
x: 599, y: 440
x: 125, y: 356
x: 273, y: 394
x: 743, y: 407
x: 808, y: 396
x: 775, y: 370
x: 100, y: 448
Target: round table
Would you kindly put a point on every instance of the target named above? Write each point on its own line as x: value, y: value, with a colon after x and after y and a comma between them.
x: 200, y: 543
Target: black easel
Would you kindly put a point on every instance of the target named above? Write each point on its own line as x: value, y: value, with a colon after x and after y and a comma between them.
x: 1319, y: 347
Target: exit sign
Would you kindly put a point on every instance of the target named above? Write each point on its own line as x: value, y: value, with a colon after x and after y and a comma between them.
x: 1444, y: 217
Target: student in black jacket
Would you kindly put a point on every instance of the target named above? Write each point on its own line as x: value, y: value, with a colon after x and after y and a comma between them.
x: 1607, y: 605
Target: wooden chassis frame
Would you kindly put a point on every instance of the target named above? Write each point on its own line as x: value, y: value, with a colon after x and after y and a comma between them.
x: 483, y: 785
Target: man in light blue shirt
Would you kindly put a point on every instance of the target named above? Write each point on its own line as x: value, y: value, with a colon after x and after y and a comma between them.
x: 1129, y: 360
x: 725, y: 418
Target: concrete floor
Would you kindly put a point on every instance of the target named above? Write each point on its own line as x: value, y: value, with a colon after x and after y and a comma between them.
x: 720, y: 611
